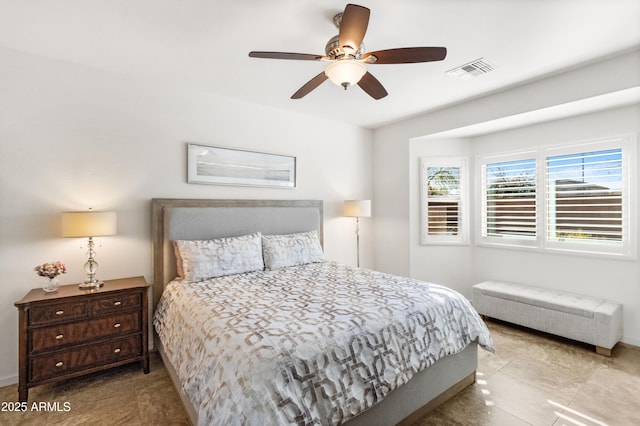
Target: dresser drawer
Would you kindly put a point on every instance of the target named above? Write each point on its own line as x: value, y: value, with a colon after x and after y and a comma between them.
x: 69, y: 334
x: 59, y: 312
x: 115, y: 303
x: 51, y: 365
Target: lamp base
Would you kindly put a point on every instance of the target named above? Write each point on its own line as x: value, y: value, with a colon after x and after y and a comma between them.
x: 91, y: 285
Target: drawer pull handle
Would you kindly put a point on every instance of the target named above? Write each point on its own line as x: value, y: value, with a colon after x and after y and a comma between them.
x: 117, y: 351
x: 116, y: 325
x: 59, y: 312
x: 59, y: 336
x: 59, y: 364
x: 118, y: 303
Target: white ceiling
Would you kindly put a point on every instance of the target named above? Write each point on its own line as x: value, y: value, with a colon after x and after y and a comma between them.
x: 203, y: 45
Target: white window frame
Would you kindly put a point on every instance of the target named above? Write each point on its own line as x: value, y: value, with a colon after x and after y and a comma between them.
x: 627, y: 249
x: 462, y: 238
x: 506, y: 241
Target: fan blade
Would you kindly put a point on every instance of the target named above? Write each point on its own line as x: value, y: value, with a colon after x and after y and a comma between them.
x: 372, y: 86
x: 286, y: 55
x: 355, y: 20
x: 310, y: 85
x: 407, y: 55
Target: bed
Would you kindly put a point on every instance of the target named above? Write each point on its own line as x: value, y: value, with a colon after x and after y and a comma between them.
x: 297, y: 339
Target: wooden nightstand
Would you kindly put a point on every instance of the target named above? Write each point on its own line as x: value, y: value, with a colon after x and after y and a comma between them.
x: 72, y: 332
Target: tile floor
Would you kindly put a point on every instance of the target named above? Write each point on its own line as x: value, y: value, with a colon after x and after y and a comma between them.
x: 532, y: 379
x: 536, y: 379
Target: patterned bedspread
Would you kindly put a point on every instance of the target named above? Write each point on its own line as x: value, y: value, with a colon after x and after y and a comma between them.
x: 311, y: 344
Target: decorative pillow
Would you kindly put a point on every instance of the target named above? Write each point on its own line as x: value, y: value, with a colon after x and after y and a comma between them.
x: 280, y: 251
x: 199, y: 260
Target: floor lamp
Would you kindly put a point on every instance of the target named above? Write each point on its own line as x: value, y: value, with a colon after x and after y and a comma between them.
x: 357, y: 209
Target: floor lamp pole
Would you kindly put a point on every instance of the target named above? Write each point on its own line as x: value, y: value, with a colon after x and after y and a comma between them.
x: 357, y: 209
x: 358, y: 241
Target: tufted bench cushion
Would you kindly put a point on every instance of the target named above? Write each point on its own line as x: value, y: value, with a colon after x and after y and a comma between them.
x: 587, y: 319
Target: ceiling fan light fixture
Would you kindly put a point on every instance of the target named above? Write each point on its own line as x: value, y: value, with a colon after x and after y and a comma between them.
x: 345, y: 72
x: 347, y: 56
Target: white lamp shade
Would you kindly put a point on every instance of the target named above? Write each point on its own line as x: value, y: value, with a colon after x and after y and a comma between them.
x: 88, y: 224
x: 357, y: 208
x: 345, y: 72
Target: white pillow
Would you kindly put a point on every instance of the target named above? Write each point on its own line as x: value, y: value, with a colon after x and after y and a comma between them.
x: 280, y: 251
x: 199, y: 260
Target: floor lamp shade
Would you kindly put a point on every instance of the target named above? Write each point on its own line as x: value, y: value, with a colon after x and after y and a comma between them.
x: 357, y: 208
x: 88, y: 224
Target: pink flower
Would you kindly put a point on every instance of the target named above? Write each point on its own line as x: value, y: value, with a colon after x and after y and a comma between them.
x: 50, y: 270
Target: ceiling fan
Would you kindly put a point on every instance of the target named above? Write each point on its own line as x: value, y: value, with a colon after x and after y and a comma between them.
x: 347, y: 58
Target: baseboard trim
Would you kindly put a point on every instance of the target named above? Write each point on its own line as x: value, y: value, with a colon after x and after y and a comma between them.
x: 8, y: 381
x: 630, y: 345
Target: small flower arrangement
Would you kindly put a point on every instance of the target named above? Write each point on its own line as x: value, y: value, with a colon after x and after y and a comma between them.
x: 50, y: 269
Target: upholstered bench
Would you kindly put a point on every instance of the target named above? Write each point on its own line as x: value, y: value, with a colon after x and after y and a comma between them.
x: 582, y: 318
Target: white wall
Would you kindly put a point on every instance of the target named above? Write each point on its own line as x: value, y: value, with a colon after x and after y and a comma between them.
x: 73, y: 137
x: 389, y: 206
x: 397, y: 148
x: 447, y: 264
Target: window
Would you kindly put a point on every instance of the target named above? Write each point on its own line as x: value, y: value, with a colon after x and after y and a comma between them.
x: 565, y: 198
x: 509, y: 199
x: 444, y: 212
x: 586, y: 198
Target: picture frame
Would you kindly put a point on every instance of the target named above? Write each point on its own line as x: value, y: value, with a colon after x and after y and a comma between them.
x: 230, y: 166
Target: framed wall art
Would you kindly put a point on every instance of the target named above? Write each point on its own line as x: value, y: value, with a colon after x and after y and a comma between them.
x: 229, y: 166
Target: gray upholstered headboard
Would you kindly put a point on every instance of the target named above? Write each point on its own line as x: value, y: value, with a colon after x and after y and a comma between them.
x: 200, y: 219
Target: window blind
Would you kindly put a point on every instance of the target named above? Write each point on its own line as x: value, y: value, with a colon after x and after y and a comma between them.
x: 509, y: 199
x: 585, y: 196
x: 444, y: 203
x: 443, y: 200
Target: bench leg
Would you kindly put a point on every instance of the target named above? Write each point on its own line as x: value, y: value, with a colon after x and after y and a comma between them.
x: 603, y: 351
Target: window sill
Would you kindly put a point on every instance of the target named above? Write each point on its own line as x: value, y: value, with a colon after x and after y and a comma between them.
x: 559, y: 251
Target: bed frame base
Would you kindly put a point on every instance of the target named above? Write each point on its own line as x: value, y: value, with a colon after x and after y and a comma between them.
x: 379, y: 414
x: 186, y: 404
x: 439, y: 400
x: 426, y: 390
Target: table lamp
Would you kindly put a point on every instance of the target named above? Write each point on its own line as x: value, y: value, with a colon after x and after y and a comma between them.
x: 89, y: 224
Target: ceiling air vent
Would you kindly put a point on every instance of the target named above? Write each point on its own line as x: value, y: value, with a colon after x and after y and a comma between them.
x: 472, y: 69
